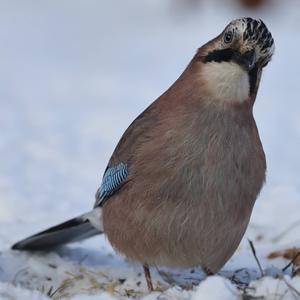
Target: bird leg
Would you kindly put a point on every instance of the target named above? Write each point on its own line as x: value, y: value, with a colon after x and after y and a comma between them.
x: 148, y: 277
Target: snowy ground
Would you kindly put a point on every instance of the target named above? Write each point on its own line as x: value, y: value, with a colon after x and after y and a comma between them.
x: 73, y: 75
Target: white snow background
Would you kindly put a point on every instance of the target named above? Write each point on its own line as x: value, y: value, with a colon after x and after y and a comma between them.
x: 73, y: 75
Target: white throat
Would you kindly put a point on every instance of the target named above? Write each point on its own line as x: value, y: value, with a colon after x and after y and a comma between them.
x: 226, y: 81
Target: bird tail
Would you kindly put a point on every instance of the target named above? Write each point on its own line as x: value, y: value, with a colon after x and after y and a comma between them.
x: 76, y: 229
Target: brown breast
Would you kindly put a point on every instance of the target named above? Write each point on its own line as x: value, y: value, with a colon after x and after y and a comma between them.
x: 195, y: 172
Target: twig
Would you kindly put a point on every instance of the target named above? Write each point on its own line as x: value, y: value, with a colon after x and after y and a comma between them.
x: 24, y: 270
x: 295, y: 271
x: 291, y: 287
x: 255, y: 256
x: 291, y: 262
x: 49, y: 293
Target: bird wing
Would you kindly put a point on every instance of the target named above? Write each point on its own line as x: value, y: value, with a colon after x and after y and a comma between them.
x: 117, y: 171
x: 113, y: 178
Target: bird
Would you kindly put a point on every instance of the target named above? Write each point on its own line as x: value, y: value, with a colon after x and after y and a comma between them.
x: 180, y: 186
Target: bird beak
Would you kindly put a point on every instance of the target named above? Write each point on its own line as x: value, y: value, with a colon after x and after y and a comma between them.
x: 247, y: 59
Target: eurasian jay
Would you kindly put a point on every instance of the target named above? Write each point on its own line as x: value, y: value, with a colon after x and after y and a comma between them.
x: 180, y: 186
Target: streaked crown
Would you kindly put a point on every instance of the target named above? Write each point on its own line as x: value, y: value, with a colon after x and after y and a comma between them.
x: 254, y: 34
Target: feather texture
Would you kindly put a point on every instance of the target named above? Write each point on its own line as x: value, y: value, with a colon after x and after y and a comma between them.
x: 113, y: 179
x: 196, y: 163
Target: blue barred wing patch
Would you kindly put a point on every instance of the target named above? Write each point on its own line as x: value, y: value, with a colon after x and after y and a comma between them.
x: 112, y: 180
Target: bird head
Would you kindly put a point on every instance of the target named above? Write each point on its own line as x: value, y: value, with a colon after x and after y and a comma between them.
x: 233, y: 61
x: 245, y: 41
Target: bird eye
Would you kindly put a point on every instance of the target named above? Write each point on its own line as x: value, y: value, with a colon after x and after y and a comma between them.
x: 228, y: 37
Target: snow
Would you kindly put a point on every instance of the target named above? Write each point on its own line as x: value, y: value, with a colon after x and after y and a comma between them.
x: 216, y: 288
x: 9, y: 291
x: 73, y: 76
x: 285, y: 288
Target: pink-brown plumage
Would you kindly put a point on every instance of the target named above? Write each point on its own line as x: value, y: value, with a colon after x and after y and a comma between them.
x: 181, y: 184
x: 196, y: 167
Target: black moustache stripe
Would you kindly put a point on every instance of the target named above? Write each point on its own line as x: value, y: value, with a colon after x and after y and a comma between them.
x: 252, y: 79
x: 219, y: 56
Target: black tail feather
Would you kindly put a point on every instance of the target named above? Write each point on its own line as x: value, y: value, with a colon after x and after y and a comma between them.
x: 72, y: 230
